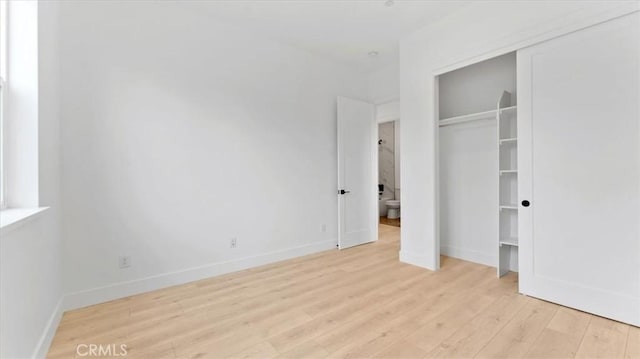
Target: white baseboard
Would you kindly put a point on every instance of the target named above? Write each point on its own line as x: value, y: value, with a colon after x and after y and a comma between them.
x: 352, y: 243
x: 469, y: 255
x: 42, y: 348
x: 416, y: 259
x: 124, y: 289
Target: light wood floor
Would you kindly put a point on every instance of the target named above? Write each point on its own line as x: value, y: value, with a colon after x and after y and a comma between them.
x: 360, y: 302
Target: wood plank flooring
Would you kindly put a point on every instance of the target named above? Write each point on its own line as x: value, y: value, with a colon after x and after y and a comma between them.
x: 357, y: 303
x: 390, y: 222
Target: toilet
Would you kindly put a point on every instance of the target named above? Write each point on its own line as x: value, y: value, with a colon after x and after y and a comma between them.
x: 382, y: 205
x: 393, y: 209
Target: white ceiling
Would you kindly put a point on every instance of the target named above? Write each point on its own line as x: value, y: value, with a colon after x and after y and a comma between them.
x: 345, y: 30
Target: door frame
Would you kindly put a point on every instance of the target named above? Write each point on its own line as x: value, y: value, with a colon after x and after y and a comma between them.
x: 393, y: 118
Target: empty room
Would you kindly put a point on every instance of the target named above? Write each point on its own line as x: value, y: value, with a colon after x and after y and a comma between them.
x: 319, y: 179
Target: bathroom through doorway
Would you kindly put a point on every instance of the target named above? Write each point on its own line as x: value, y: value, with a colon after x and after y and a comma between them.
x: 389, y: 205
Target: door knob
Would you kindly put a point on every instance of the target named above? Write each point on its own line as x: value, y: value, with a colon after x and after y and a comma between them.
x: 343, y: 191
x: 525, y: 203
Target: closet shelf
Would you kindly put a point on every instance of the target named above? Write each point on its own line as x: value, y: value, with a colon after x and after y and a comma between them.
x: 504, y: 141
x: 509, y: 206
x: 508, y: 110
x: 508, y: 210
x: 509, y: 241
x: 486, y: 115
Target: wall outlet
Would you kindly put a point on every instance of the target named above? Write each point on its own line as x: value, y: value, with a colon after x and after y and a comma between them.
x: 324, y: 228
x: 124, y: 262
x: 233, y: 243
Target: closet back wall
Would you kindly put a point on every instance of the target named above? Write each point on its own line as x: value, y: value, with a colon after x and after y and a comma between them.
x: 181, y: 133
x: 478, y: 87
x: 468, y: 159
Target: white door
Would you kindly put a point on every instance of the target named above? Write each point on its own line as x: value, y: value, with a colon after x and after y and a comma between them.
x: 579, y: 159
x: 357, y: 173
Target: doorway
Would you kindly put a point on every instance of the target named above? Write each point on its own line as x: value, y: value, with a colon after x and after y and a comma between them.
x: 388, y: 176
x: 359, y: 150
x: 388, y: 185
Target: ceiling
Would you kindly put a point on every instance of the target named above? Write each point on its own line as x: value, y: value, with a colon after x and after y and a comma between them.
x: 344, y: 30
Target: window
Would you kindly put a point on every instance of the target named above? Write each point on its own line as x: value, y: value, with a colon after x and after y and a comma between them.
x: 3, y: 92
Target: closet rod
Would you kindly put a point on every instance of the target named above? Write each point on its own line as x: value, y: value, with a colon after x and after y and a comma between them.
x: 486, y: 115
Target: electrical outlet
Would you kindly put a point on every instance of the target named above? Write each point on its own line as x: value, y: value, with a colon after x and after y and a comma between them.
x: 233, y: 243
x: 324, y: 228
x: 124, y: 262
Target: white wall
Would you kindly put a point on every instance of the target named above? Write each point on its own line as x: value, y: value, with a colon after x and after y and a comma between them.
x: 179, y: 134
x: 30, y: 254
x: 469, y: 191
x: 473, y: 34
x: 388, y: 111
x: 30, y: 287
x: 384, y: 84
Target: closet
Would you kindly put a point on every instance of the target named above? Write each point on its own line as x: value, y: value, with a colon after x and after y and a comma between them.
x: 478, y: 170
x: 539, y: 167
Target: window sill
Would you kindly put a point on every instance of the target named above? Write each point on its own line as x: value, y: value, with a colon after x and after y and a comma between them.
x: 13, y: 218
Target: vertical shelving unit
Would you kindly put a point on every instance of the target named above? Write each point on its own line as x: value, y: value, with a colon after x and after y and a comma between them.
x: 507, y: 185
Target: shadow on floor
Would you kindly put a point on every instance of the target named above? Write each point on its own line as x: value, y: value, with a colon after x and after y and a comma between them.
x: 390, y: 222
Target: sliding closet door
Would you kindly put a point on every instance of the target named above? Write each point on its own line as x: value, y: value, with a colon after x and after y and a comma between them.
x: 579, y: 158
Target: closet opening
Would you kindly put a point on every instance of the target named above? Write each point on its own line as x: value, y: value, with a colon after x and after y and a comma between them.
x: 477, y: 164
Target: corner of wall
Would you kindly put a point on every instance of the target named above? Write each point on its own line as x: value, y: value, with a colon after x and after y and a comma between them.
x: 49, y: 332
x: 417, y: 259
